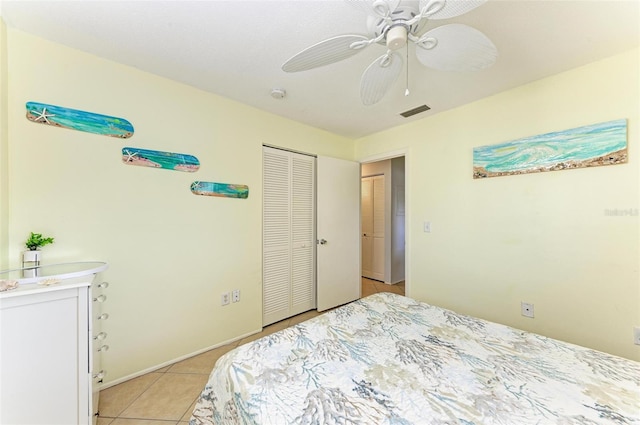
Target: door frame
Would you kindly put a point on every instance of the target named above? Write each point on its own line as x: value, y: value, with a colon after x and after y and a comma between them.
x: 316, y: 255
x: 407, y: 205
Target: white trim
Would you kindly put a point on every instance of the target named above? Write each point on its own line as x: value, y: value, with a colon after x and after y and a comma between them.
x: 385, y: 155
x: 176, y: 360
x: 264, y: 145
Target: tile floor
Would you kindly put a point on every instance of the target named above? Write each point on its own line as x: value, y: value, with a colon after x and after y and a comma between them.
x: 167, y: 396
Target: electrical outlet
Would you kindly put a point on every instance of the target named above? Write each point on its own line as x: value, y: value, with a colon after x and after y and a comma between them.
x: 636, y: 335
x: 526, y: 309
x: 224, y: 298
x: 235, y: 295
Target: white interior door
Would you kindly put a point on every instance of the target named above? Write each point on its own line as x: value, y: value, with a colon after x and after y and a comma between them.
x: 373, y: 227
x: 366, y: 206
x: 379, y: 242
x: 338, y: 232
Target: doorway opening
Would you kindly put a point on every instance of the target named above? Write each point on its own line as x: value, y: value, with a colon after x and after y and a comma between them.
x: 383, y: 217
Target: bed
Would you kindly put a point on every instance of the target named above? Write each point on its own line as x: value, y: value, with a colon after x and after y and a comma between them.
x: 388, y: 359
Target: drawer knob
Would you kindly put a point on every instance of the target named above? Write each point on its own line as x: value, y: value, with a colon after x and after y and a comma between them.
x: 103, y: 285
x: 104, y: 348
x: 101, y: 336
x: 103, y: 316
x: 100, y: 298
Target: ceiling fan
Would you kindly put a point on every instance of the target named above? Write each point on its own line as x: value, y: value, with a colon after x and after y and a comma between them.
x: 394, y: 23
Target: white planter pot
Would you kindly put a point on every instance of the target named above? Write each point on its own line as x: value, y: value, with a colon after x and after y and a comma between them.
x: 33, y: 272
x: 31, y: 257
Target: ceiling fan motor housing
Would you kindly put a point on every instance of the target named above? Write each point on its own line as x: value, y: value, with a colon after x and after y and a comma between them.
x: 395, y: 28
x: 396, y: 36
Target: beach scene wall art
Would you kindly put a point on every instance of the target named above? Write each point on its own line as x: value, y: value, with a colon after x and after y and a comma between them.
x: 589, y: 146
x: 160, y: 159
x: 74, y: 119
x: 223, y: 190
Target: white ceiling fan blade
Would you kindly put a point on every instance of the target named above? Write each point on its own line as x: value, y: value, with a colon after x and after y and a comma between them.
x: 456, y: 47
x: 377, y: 8
x: 379, y: 76
x: 445, y: 9
x: 326, y: 52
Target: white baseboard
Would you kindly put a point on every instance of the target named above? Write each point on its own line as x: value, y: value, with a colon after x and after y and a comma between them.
x: 115, y: 382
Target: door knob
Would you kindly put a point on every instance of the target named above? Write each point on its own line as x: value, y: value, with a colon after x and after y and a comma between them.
x: 323, y: 241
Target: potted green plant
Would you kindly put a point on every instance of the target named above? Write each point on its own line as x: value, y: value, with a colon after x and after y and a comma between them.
x: 34, y: 242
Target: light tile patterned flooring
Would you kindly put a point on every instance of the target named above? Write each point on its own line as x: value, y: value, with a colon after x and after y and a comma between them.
x: 167, y: 396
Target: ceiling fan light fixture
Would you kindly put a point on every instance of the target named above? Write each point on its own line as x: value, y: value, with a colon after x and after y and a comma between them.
x: 396, y: 37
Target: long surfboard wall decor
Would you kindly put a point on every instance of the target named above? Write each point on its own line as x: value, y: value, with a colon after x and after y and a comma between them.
x: 223, y: 190
x: 74, y: 119
x: 160, y: 159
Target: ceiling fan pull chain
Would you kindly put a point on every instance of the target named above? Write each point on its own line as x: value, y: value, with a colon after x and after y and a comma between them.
x: 406, y: 91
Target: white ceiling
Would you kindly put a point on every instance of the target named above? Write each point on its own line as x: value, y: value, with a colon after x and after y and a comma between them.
x: 236, y: 48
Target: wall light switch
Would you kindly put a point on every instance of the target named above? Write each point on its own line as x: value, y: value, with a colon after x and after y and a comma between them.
x: 427, y: 227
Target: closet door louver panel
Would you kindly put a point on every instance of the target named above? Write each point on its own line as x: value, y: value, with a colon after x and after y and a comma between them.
x: 302, y: 232
x: 276, y: 239
x: 288, y: 234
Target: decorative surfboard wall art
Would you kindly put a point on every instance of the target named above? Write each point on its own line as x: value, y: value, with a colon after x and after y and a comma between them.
x: 74, y: 119
x: 589, y: 146
x: 223, y: 190
x: 159, y: 159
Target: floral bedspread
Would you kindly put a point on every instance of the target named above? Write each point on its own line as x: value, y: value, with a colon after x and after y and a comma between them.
x: 388, y: 359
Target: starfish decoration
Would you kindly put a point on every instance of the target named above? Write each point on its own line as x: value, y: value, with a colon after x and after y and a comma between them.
x: 130, y: 155
x: 43, y: 115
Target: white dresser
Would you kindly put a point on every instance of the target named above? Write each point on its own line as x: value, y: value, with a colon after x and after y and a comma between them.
x: 49, y: 338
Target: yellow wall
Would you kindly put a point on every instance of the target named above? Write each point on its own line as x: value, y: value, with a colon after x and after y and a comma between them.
x: 171, y: 253
x: 4, y: 143
x: 543, y: 238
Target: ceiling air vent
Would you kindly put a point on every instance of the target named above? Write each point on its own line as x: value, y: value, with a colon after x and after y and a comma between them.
x: 414, y: 111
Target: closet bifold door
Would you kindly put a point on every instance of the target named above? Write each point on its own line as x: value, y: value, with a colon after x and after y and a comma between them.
x: 288, y: 234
